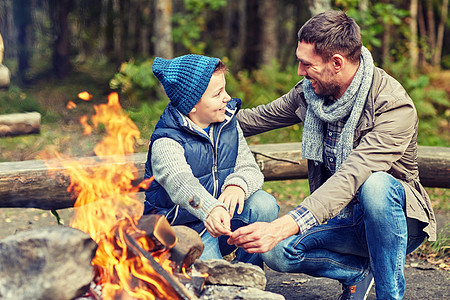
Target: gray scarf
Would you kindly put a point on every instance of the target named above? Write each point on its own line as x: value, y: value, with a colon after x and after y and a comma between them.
x: 350, y: 104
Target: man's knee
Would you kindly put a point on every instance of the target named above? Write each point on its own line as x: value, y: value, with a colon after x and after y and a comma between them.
x: 379, y: 190
x: 376, y: 182
x: 276, y: 259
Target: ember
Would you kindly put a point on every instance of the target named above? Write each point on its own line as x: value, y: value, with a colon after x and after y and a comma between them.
x: 129, y: 262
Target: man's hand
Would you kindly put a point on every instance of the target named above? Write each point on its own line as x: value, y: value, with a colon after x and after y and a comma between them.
x: 218, y: 222
x: 261, y: 237
x: 233, y: 196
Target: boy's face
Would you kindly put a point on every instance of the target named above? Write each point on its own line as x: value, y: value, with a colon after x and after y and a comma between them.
x: 211, y: 107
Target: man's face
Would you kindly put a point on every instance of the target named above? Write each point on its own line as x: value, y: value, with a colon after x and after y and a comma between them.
x: 320, y: 73
x: 211, y: 107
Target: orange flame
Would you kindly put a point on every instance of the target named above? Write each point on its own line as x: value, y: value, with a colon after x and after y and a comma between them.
x: 107, y: 207
x: 71, y: 105
x: 85, y: 96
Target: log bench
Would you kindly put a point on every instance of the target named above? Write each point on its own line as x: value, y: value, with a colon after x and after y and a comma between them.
x: 28, y: 183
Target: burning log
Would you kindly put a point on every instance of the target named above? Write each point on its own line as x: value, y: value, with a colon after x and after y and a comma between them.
x: 187, y: 250
x: 181, y: 291
x: 20, y: 124
x: 158, y: 230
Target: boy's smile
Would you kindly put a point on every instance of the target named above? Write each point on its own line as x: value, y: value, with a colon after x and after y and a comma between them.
x: 211, y: 107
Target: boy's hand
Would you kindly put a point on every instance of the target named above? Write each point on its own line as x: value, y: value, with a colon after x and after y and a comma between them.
x: 218, y: 222
x: 232, y: 196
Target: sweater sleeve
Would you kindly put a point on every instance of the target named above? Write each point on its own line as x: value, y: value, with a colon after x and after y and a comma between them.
x: 247, y: 174
x: 175, y: 175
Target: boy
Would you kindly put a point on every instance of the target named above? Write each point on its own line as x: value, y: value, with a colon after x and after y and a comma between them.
x: 198, y: 151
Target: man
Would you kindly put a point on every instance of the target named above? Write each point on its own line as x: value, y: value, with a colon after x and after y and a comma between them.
x: 367, y: 208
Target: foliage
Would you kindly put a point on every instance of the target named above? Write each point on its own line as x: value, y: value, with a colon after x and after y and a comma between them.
x: 189, y: 26
x: 15, y: 100
x: 438, y: 251
x: 373, y: 20
x: 136, y: 80
x: 262, y: 85
x: 146, y: 116
x: 432, y: 104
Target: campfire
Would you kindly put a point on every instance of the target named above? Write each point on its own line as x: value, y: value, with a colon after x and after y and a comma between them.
x: 111, y: 251
x: 136, y: 257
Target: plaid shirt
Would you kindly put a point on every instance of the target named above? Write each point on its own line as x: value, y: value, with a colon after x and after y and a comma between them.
x: 332, y: 137
x: 304, y: 218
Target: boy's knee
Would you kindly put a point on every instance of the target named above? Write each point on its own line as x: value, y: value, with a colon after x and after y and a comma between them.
x: 264, y: 204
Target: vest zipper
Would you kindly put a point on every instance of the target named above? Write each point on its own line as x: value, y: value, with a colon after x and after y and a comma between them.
x: 215, y: 146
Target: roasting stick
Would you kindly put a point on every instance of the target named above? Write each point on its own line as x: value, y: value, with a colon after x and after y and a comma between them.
x: 196, y: 203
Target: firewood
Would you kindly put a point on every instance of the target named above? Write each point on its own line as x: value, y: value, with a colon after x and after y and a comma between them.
x: 28, y: 183
x: 19, y: 124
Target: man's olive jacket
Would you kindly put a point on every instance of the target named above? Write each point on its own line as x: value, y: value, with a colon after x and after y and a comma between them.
x: 385, y: 140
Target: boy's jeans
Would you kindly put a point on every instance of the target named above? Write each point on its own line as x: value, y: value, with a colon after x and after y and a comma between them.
x: 259, y: 207
x: 371, y: 233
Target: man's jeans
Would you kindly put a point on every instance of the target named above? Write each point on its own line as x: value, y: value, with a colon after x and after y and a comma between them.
x: 259, y: 207
x: 371, y: 233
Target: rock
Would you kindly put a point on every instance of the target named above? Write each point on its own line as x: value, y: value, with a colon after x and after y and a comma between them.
x: 46, y: 263
x: 234, y: 292
x: 222, y: 272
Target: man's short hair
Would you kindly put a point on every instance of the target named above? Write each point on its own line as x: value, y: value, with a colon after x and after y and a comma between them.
x: 332, y: 32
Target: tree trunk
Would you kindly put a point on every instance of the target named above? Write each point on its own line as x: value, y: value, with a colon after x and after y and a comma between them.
x: 144, y: 30
x: 22, y: 20
x: 242, y: 7
x: 251, y: 50
x: 61, y: 49
x: 132, y: 27
x: 163, y: 29
x: 102, y: 36
x: 413, y: 47
x: 386, y: 44
x: 386, y: 39
x: 268, y: 11
x: 318, y: 6
x: 440, y: 36
x: 424, y: 51
x: 431, y: 26
x: 118, y: 30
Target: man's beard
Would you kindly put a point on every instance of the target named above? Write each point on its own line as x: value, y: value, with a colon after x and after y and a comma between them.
x: 328, y: 89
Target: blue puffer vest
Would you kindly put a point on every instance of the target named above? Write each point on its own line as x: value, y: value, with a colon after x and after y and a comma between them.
x: 211, y: 161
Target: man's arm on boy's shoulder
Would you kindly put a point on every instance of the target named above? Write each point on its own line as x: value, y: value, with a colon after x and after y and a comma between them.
x: 172, y: 171
x: 279, y: 113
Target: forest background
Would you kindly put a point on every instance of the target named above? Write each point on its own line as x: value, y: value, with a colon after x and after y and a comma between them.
x: 55, y: 49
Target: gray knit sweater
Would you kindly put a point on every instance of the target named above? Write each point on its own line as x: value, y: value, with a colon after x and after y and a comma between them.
x: 171, y: 170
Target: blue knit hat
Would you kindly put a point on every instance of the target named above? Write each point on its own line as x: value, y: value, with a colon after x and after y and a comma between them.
x: 185, y: 78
